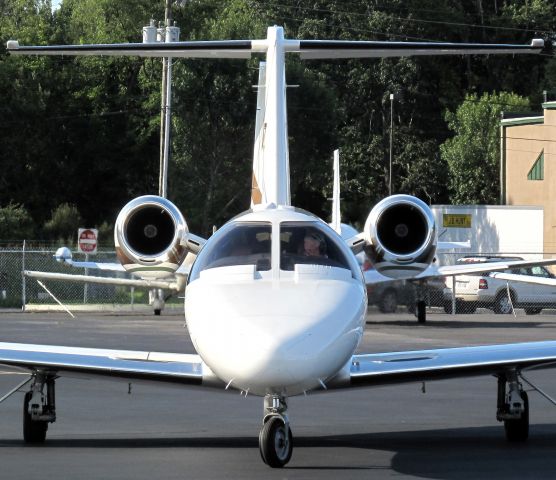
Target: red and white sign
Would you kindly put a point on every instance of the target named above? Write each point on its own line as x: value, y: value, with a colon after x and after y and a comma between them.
x: 87, y: 239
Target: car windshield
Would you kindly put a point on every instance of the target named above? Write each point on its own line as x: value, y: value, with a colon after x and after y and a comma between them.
x: 309, y: 243
x: 236, y: 244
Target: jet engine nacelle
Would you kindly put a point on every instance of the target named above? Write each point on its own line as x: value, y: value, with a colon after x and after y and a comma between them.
x: 400, y: 234
x: 150, y: 237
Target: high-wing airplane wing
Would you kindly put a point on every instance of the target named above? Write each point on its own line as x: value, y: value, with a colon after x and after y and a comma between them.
x: 128, y: 282
x: 433, y: 271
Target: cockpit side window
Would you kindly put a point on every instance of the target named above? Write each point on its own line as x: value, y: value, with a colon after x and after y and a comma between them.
x: 236, y: 244
x: 309, y: 243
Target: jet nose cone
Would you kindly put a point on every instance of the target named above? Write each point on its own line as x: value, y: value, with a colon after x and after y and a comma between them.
x: 276, y: 337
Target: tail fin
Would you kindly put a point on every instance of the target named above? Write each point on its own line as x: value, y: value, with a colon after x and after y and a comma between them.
x: 336, y: 215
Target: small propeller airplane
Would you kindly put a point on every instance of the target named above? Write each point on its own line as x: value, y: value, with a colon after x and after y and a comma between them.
x: 275, y: 301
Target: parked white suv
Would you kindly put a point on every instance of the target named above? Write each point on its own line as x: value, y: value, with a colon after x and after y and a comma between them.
x: 482, y: 290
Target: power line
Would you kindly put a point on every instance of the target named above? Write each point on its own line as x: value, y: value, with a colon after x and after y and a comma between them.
x: 416, y: 20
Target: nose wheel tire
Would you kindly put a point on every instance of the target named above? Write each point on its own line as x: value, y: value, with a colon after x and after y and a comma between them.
x: 276, y: 443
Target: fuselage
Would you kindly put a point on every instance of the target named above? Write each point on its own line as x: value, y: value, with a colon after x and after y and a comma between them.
x: 267, y: 317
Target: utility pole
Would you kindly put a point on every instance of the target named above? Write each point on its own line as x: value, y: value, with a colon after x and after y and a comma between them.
x: 391, y: 137
x: 165, y: 33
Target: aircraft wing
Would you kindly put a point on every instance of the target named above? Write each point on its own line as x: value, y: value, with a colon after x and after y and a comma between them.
x: 443, y: 246
x: 166, y: 367
x: 421, y: 365
x: 107, y: 267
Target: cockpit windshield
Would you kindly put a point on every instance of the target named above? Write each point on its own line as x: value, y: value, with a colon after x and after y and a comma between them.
x: 309, y: 243
x: 237, y: 244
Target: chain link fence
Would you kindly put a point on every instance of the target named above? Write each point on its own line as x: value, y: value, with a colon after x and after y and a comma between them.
x: 18, y: 291
x: 473, y: 293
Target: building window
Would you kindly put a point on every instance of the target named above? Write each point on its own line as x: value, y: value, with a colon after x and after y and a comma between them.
x: 537, y: 170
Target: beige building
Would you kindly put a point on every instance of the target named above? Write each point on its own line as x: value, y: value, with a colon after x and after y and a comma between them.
x: 528, y: 166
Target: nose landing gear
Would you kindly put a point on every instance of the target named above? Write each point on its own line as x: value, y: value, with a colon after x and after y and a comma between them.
x: 275, y: 438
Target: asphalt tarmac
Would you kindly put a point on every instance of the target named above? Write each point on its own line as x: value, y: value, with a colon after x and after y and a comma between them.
x: 159, y: 432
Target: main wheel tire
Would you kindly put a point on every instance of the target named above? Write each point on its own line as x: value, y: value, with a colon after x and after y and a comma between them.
x: 388, y: 303
x: 502, y: 304
x: 532, y: 311
x: 157, y: 311
x: 517, y: 429
x: 275, y: 443
x: 34, y: 431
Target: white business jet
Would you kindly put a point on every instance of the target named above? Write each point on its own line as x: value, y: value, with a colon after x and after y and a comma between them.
x: 276, y: 301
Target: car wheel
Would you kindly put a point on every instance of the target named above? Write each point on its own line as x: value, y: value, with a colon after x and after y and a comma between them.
x: 502, y: 304
x: 388, y: 302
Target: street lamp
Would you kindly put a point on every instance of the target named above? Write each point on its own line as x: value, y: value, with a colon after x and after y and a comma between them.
x: 391, y: 132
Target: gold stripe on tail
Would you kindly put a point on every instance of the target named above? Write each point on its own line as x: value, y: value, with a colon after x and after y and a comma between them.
x: 256, y: 195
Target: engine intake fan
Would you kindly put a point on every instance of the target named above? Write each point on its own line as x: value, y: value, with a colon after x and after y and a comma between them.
x: 400, y: 233
x: 150, y: 236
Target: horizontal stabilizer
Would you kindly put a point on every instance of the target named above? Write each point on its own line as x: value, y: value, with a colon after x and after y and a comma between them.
x: 208, y: 49
x: 311, y: 49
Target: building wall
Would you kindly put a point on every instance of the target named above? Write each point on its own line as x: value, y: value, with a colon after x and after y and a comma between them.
x: 493, y: 230
x: 522, y: 142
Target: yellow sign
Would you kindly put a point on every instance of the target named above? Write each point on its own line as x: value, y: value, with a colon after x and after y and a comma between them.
x: 456, y: 220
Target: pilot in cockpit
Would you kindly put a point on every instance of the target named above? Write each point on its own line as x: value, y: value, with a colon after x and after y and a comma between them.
x: 314, y: 244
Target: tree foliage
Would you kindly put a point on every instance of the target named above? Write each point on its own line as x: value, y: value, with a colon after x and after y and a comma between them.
x: 85, y: 130
x: 15, y: 223
x: 64, y: 223
x: 473, y: 154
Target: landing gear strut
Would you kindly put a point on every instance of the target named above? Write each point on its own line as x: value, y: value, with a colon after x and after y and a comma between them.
x: 275, y: 438
x: 513, y: 407
x: 39, y: 408
x: 420, y: 302
x: 156, y: 299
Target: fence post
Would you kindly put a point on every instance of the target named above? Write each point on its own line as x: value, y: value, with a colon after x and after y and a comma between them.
x: 23, y: 289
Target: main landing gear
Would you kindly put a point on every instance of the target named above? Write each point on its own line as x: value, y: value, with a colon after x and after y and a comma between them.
x: 39, y: 408
x: 275, y: 438
x: 513, y: 407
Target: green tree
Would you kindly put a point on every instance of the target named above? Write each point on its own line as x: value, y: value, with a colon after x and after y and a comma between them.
x: 15, y: 223
x: 64, y: 223
x: 473, y: 154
